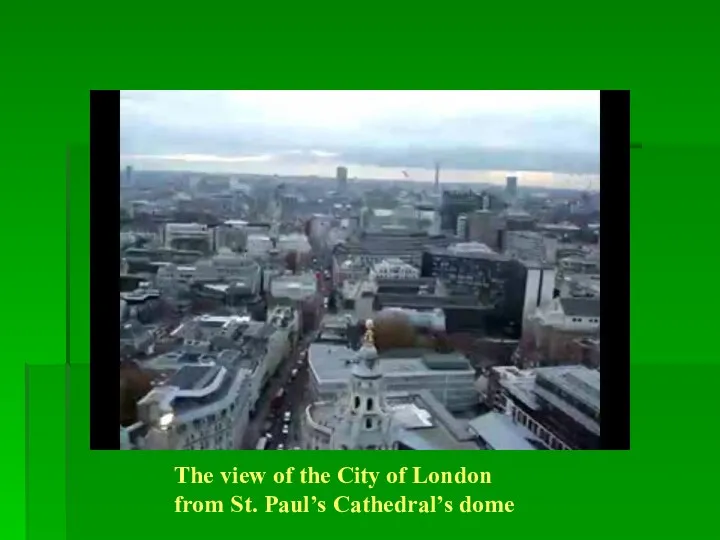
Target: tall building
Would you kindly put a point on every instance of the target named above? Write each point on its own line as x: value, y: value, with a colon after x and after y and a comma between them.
x: 461, y: 229
x: 484, y: 226
x: 437, y: 177
x: 511, y: 183
x: 128, y: 175
x: 341, y: 175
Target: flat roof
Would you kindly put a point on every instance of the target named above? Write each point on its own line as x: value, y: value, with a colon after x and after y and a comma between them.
x: 423, y: 422
x: 580, y: 382
x: 389, y: 300
x: 500, y: 433
x: 193, y: 377
x: 581, y: 307
x: 331, y: 362
x: 489, y: 255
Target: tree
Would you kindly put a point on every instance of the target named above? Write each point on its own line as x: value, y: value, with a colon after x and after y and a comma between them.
x: 442, y: 343
x: 291, y: 261
x: 394, y: 331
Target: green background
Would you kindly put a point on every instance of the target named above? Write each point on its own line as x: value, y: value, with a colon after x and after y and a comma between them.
x: 54, y: 487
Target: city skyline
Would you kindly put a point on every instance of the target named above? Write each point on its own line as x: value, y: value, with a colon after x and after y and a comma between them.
x: 305, y: 132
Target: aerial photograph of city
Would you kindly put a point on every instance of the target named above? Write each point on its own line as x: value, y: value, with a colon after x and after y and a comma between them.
x: 360, y: 270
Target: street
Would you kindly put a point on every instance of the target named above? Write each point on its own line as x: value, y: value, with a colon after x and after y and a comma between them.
x: 270, y: 415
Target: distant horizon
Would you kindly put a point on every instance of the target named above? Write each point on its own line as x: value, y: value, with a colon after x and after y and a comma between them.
x: 325, y: 167
x: 550, y: 137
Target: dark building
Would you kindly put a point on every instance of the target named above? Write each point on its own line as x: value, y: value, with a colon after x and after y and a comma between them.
x: 341, y: 175
x: 371, y: 248
x: 518, y: 220
x: 456, y: 203
x: 489, y: 278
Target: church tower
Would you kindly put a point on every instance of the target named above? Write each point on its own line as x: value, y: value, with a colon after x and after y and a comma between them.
x: 365, y: 423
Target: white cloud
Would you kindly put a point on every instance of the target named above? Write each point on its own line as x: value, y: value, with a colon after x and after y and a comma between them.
x: 349, y: 109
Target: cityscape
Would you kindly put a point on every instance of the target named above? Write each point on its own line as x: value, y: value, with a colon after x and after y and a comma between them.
x: 330, y: 310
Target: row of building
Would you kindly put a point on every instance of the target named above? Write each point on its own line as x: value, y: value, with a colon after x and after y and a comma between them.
x: 207, y: 388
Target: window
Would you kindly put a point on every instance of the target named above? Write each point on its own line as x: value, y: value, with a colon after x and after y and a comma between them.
x: 371, y: 447
x: 370, y: 404
x: 343, y: 447
x: 357, y: 402
x: 368, y: 423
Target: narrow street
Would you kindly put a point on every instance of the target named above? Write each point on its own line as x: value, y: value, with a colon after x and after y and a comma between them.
x: 291, y: 376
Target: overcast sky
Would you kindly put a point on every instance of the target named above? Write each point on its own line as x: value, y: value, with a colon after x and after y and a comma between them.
x: 229, y: 124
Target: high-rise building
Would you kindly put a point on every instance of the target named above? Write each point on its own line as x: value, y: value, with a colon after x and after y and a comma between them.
x: 437, y: 177
x: 461, y: 229
x: 128, y: 175
x: 511, y: 184
x: 341, y: 175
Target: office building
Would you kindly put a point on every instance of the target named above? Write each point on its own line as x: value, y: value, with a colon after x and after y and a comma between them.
x: 341, y: 175
x: 204, y: 405
x: 560, y: 405
x: 189, y: 236
x: 449, y: 377
x: 461, y: 229
x: 511, y: 189
x: 393, y: 268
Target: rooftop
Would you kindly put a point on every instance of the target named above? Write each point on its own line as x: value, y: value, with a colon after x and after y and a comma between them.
x: 194, y: 377
x: 581, y: 307
x: 579, y: 381
x: 203, y: 379
x: 417, y: 301
x: 425, y: 424
x: 500, y: 433
x: 467, y: 254
x: 334, y: 362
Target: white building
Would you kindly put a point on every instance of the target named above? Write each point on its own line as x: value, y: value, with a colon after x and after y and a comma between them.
x: 580, y: 265
x: 394, y: 268
x: 449, y: 377
x: 229, y: 267
x: 359, y: 297
x: 258, y: 245
x: 539, y: 287
x: 570, y: 314
x: 461, y: 227
x: 294, y: 287
x: 369, y: 417
x: 296, y: 242
x: 175, y: 234
x: 579, y: 285
x: 204, y: 405
x: 172, y: 276
x: 531, y: 246
x: 232, y: 235
x: 348, y: 269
